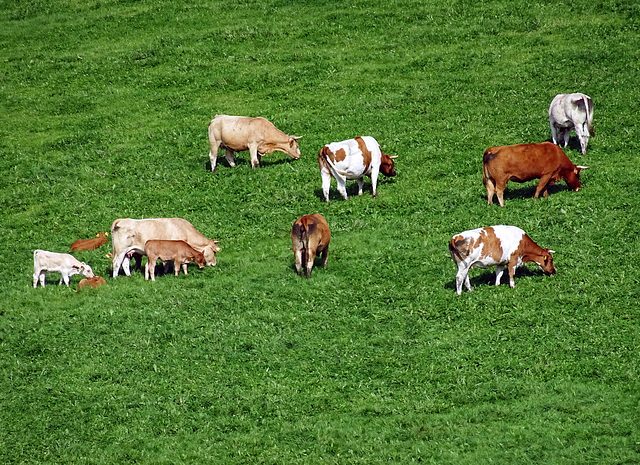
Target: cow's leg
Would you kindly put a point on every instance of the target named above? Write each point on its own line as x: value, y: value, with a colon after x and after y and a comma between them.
x: 374, y: 180
x: 500, y: 187
x: 228, y: 154
x: 65, y: 278
x: 184, y: 268
x: 42, y: 278
x: 342, y: 186
x: 253, y: 151
x: 311, y: 256
x: 566, y: 132
x: 360, y: 184
x: 326, y: 182
x: 36, y: 277
x: 125, y: 265
x: 542, y: 187
x: 491, y: 189
x: 325, y: 255
x: 146, y: 270
x: 499, y: 271
x: 213, y: 154
x: 512, y: 274
x: 554, y: 133
x: 462, y: 277
x: 582, y: 131
x: 299, y: 258
x: 117, y: 263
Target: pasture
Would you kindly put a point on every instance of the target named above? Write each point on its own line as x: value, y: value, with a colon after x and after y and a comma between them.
x: 104, y: 113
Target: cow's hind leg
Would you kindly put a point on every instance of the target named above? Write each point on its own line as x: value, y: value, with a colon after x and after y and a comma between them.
x: 360, y: 184
x: 326, y: 182
x: 325, y: 254
x: 342, y: 186
x: 500, y: 187
x: 491, y: 190
x: 462, y: 277
x: 499, y: 271
x: 582, y: 131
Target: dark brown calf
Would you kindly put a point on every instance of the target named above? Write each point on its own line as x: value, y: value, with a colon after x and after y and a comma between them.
x: 524, y: 162
x: 179, y: 252
x: 310, y: 235
x: 90, y: 244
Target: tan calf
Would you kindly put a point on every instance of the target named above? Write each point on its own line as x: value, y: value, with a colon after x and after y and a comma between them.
x: 179, y: 252
x: 310, y: 235
x: 91, y: 282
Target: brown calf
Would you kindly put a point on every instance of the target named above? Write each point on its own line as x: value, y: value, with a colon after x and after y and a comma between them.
x: 90, y: 244
x: 91, y: 282
x: 524, y: 162
x: 179, y: 252
x: 310, y: 235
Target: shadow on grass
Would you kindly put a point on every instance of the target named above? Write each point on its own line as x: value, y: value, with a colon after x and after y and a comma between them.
x: 352, y: 189
x: 222, y: 161
x: 488, y: 278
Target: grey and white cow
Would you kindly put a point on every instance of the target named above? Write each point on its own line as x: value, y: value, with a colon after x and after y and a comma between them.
x: 569, y: 111
x: 64, y: 263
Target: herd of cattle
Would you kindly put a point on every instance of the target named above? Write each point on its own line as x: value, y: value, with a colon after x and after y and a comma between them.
x: 176, y: 240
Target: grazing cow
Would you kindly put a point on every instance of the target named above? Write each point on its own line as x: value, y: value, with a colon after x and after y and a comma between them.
x: 179, y: 252
x: 90, y: 244
x: 523, y: 162
x: 64, y: 263
x: 257, y: 135
x: 91, y: 282
x: 129, y: 237
x: 571, y: 111
x: 353, y: 159
x: 310, y: 235
x: 496, y: 245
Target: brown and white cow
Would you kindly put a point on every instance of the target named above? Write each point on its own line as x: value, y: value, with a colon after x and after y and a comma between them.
x: 524, y: 162
x: 91, y: 282
x: 353, y: 159
x: 179, y: 252
x: 129, y: 236
x: 90, y: 244
x: 310, y: 235
x: 571, y: 111
x: 502, y: 246
x: 257, y: 135
x: 64, y: 263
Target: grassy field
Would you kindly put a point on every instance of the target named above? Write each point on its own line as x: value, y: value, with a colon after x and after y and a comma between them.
x: 104, y: 107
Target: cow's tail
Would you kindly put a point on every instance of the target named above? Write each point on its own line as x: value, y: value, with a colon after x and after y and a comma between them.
x: 486, y: 158
x: 588, y: 105
x: 302, y: 234
x: 456, y: 256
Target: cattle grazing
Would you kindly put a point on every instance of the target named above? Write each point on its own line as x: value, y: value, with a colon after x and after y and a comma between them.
x: 571, y: 111
x: 90, y: 244
x: 310, y: 235
x: 502, y: 246
x: 353, y: 159
x: 523, y: 162
x: 179, y: 252
x: 91, y: 282
x: 65, y: 264
x: 129, y: 236
x: 257, y: 135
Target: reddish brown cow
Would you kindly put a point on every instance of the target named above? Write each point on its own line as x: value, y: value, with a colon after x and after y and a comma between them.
x: 90, y: 244
x: 524, y: 162
x: 310, y: 235
x: 91, y: 282
x: 179, y: 252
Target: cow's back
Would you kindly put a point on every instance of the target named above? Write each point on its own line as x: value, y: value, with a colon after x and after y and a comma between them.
x: 524, y: 160
x: 132, y: 233
x: 236, y: 132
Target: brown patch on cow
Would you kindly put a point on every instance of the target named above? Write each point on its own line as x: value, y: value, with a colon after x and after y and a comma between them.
x: 492, y: 247
x: 340, y: 155
x: 366, y: 154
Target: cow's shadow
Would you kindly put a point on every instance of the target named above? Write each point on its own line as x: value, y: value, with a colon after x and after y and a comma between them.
x: 352, y: 188
x: 488, y: 277
x: 527, y: 192
x: 222, y: 161
x: 574, y: 144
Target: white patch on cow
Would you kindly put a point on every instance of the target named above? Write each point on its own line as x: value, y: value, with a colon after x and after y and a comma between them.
x: 510, y: 238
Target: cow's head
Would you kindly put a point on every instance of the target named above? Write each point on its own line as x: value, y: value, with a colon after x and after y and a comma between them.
x: 209, y: 252
x: 293, y: 150
x: 199, y: 259
x: 386, y: 165
x: 85, y: 270
x: 573, y: 177
x: 545, y: 261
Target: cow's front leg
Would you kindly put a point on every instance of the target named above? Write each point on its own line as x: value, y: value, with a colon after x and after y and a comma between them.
x: 360, y: 184
x: 566, y: 132
x: 253, y: 151
x: 542, y: 187
x: 65, y: 278
x: 184, y: 268
x: 374, y: 181
x: 213, y: 155
x: 228, y: 154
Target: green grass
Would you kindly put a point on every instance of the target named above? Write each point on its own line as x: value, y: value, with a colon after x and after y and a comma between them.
x: 104, y: 108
